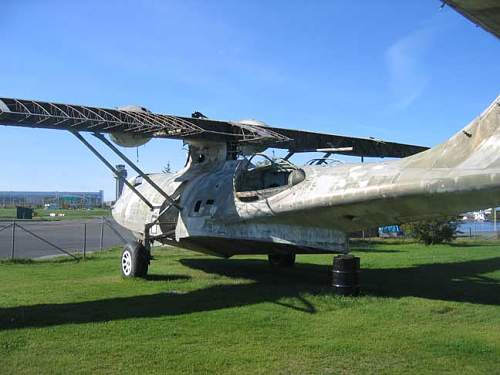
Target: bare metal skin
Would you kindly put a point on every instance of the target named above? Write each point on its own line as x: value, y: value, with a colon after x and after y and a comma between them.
x: 314, y: 214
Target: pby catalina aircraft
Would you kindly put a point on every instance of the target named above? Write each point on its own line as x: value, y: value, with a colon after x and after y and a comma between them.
x: 226, y: 202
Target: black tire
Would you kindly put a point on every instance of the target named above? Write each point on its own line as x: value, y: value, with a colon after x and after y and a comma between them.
x: 281, y: 260
x: 134, y: 261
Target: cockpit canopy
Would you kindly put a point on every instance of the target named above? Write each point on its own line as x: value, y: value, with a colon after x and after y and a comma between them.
x: 261, y: 177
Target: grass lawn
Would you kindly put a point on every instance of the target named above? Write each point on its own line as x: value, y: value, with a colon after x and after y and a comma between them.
x: 10, y: 213
x: 423, y: 310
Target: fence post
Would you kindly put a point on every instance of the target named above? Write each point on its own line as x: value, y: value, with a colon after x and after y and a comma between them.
x: 13, y: 240
x: 495, y: 221
x: 84, y: 239
x: 101, y: 238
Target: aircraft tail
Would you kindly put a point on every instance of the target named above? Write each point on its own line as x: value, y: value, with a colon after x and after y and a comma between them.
x: 477, y: 146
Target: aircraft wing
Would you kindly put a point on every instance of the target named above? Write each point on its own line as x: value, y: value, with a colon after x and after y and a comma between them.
x: 307, y: 141
x: 485, y: 13
x: 37, y: 114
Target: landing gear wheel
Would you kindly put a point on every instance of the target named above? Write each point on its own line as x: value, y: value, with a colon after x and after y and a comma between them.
x: 281, y: 260
x: 134, y: 260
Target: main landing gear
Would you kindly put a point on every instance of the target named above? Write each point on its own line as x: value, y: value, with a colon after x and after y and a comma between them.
x: 345, y: 271
x: 135, y: 260
x: 281, y: 260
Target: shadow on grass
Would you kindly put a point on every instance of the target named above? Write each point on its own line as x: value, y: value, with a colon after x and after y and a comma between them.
x: 462, y: 282
x: 167, y: 277
x: 367, y: 249
x: 17, y: 261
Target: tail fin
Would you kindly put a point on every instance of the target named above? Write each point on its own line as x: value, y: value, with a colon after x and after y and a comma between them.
x: 477, y: 146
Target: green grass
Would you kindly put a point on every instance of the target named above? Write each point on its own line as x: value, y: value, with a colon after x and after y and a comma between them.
x: 41, y: 214
x: 7, y: 213
x: 422, y: 310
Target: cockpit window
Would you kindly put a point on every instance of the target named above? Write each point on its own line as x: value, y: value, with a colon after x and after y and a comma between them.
x: 137, y: 181
x: 262, y: 177
x: 197, y: 206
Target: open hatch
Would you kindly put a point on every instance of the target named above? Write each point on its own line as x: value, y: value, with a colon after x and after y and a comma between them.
x: 261, y: 177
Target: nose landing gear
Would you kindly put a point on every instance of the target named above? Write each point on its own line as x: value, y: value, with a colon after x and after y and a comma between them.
x: 135, y: 260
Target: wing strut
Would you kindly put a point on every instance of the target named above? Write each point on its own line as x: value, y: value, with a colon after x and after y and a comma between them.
x: 113, y: 169
x: 137, y: 169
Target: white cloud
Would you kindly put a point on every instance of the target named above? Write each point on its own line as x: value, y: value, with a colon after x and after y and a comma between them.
x: 408, y: 72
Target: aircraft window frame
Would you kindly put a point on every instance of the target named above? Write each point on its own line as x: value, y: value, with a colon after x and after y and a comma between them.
x: 272, y: 162
x: 274, y: 167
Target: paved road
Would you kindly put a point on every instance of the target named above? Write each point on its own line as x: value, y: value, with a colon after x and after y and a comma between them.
x: 68, y: 234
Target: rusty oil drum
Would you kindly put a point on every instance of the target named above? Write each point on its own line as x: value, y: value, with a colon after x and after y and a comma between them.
x: 345, y: 274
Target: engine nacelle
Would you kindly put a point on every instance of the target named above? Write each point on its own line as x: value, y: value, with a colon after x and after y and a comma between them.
x: 130, y: 140
x: 250, y: 149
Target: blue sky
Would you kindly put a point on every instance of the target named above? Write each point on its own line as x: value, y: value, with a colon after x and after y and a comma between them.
x: 398, y: 70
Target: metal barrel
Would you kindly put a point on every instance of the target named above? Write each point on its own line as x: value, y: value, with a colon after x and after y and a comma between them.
x: 345, y: 274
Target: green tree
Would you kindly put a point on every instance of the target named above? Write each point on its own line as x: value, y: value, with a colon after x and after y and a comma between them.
x: 433, y: 231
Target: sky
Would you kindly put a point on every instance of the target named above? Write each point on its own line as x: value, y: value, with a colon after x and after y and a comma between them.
x: 403, y: 71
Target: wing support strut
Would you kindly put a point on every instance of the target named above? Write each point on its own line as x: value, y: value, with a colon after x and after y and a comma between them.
x: 136, y: 168
x: 113, y: 169
x: 324, y: 158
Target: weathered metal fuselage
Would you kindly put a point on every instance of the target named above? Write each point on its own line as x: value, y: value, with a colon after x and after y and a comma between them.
x: 314, y: 214
x: 214, y: 220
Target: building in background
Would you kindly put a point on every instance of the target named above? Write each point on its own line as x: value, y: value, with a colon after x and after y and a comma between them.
x: 51, y: 199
